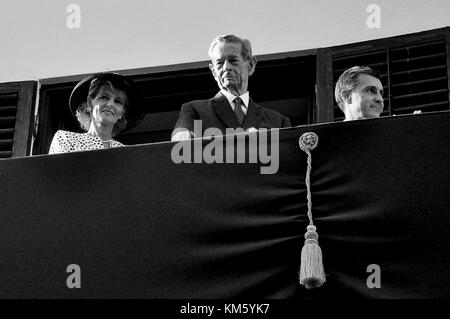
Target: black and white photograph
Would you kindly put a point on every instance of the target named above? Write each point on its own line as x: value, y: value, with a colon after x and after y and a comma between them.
x: 225, y: 158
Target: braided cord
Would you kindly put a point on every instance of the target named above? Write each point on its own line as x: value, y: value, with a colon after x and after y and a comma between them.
x: 308, y: 186
x: 308, y: 141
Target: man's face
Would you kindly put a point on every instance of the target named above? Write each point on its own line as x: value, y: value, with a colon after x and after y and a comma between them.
x: 230, y: 69
x: 366, y: 100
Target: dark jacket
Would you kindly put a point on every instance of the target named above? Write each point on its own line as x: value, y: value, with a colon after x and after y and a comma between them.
x: 217, y: 112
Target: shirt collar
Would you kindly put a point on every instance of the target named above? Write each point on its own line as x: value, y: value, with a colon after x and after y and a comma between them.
x: 244, y: 97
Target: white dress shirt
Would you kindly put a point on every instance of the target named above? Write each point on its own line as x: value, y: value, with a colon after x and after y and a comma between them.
x: 244, y: 97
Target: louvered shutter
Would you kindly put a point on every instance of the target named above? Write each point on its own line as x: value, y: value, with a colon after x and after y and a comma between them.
x: 414, y: 76
x: 8, y: 110
x: 418, y: 78
x: 16, y: 109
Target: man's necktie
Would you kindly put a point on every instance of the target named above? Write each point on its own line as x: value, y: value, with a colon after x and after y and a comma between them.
x: 238, y: 110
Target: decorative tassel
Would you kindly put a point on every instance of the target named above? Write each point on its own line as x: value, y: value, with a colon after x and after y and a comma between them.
x: 312, y: 274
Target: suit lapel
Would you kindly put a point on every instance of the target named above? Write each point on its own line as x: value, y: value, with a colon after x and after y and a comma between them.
x: 253, y: 116
x: 222, y: 107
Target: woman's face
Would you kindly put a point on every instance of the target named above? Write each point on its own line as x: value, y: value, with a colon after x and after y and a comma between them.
x: 108, y: 106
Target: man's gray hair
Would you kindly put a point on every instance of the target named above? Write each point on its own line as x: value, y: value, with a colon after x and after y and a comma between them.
x: 230, y: 38
x: 348, y: 81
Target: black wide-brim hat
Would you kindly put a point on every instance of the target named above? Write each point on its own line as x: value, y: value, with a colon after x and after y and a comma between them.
x: 135, y: 109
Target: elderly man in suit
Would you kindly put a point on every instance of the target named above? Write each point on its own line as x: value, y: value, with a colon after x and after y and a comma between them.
x: 232, y: 63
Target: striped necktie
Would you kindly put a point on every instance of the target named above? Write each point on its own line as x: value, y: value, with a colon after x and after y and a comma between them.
x: 238, y: 109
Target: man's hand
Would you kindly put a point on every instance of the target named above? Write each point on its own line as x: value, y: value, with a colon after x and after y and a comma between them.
x: 251, y: 130
x: 415, y: 112
x: 182, y: 136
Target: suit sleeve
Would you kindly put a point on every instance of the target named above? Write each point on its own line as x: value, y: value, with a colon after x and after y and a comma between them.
x: 186, y: 119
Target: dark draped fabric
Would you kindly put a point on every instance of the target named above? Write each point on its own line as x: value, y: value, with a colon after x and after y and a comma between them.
x: 141, y: 226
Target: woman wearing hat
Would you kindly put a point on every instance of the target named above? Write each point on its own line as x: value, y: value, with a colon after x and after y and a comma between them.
x: 105, y: 104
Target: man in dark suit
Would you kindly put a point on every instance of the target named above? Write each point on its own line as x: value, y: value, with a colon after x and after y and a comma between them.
x: 232, y: 63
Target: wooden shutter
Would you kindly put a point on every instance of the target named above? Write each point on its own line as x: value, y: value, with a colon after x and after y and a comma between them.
x: 16, y: 109
x: 418, y: 78
x: 414, y: 72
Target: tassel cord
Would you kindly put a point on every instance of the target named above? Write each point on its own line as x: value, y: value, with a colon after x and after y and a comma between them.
x: 308, y: 186
x: 311, y: 273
